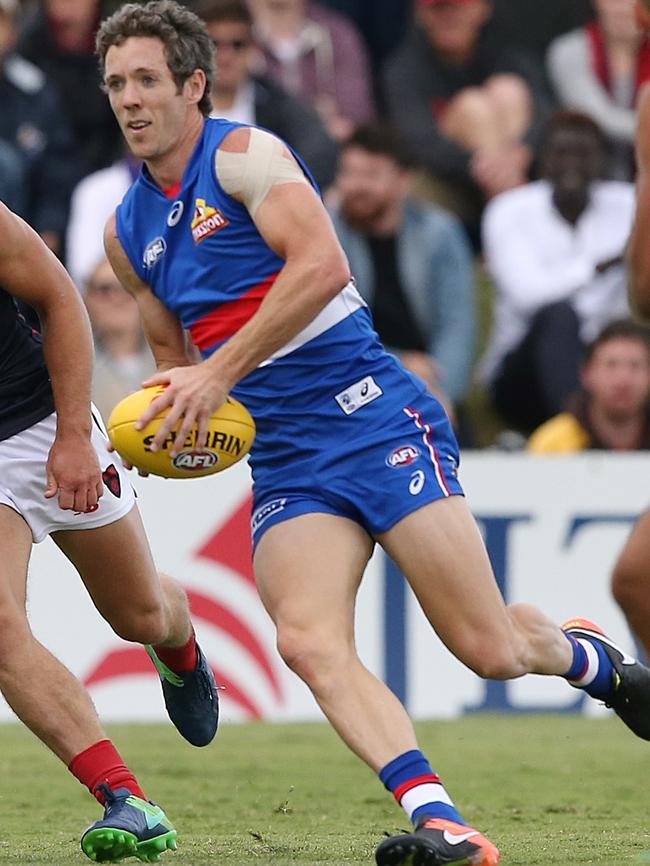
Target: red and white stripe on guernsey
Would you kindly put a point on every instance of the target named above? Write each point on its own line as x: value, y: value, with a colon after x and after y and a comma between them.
x: 419, y: 791
x: 229, y: 317
x: 431, y: 448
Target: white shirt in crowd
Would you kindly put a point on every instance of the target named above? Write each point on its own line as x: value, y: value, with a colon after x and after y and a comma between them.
x: 535, y: 258
x: 93, y: 201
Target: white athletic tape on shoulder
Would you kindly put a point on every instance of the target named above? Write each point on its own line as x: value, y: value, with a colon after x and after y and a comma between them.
x: 250, y: 176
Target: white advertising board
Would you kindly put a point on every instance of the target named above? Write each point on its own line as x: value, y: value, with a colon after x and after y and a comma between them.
x: 553, y: 526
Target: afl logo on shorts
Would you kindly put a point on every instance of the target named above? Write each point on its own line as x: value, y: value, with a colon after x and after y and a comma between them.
x: 155, y: 251
x: 403, y: 456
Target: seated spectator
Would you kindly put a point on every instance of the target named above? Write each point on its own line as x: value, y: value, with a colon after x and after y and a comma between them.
x: 554, y: 249
x: 598, y: 69
x: 411, y: 260
x: 59, y: 37
x: 612, y: 410
x: 317, y: 54
x: 122, y: 357
x: 93, y: 201
x: 35, y: 128
x: 467, y: 103
x: 239, y: 95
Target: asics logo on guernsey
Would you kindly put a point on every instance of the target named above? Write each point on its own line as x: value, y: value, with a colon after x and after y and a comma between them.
x: 453, y: 839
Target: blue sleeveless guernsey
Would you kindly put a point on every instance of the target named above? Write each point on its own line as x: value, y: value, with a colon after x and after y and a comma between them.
x: 330, y: 399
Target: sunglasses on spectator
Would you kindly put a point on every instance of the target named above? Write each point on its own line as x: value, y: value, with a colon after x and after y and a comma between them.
x: 235, y: 44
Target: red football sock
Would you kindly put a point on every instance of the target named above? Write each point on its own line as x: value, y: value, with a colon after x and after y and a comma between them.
x: 102, y: 763
x: 180, y: 659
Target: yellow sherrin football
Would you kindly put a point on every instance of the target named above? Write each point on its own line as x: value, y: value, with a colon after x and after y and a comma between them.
x: 231, y: 431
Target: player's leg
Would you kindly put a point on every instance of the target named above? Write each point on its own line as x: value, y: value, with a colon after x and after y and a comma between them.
x: 141, y: 605
x: 308, y: 571
x: 311, y: 598
x: 54, y: 705
x: 440, y: 551
x: 631, y: 581
x: 45, y: 696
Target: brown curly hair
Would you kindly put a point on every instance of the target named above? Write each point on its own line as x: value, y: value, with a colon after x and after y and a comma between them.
x: 187, y: 44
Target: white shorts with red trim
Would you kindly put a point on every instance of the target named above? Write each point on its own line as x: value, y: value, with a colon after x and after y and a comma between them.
x: 23, y: 481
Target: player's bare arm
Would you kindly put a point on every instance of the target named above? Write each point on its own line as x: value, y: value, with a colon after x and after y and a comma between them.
x: 260, y: 172
x: 639, y: 246
x: 162, y: 329
x: 31, y: 273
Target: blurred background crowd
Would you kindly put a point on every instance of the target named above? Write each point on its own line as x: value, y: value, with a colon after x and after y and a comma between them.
x: 476, y: 157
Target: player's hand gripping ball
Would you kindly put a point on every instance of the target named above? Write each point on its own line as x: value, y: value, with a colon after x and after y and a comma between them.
x: 231, y: 432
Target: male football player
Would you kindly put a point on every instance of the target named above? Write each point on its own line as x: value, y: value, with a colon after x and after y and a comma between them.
x: 224, y: 234
x: 631, y: 579
x: 57, y: 477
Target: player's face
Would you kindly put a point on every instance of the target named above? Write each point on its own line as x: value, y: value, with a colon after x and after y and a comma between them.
x: 618, y: 377
x: 153, y: 113
x: 232, y: 44
x: 369, y: 185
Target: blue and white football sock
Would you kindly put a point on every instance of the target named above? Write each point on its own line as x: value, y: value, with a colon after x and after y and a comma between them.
x: 417, y: 789
x: 591, y: 669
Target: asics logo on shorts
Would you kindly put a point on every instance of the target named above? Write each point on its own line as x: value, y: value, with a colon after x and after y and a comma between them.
x: 358, y: 395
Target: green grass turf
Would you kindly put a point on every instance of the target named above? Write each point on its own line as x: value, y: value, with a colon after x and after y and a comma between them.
x: 549, y: 790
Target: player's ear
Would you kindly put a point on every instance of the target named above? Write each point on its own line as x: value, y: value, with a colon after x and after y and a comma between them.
x: 195, y: 85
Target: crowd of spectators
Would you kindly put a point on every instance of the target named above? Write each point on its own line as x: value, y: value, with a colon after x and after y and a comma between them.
x: 476, y: 157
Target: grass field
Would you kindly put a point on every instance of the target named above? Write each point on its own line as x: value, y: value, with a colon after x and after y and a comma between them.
x: 551, y: 790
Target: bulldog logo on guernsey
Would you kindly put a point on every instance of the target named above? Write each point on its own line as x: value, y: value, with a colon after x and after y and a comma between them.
x: 207, y: 221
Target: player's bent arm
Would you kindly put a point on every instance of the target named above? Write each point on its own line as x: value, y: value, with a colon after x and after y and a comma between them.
x: 638, y: 252
x: 162, y: 329
x: 294, y: 223
x: 30, y: 272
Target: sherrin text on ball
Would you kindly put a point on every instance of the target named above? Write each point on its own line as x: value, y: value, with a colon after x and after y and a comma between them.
x: 231, y: 432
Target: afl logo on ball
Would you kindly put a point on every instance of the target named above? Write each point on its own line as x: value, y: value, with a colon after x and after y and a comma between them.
x: 193, y: 461
x: 403, y: 456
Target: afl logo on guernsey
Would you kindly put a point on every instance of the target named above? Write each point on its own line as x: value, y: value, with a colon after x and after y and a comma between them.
x: 207, y: 221
x: 175, y: 213
x: 403, y: 456
x: 154, y: 251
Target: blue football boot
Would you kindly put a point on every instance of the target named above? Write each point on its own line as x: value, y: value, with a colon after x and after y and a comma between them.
x: 192, y: 699
x: 131, y: 827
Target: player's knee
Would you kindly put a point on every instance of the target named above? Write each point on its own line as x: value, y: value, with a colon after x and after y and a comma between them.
x: 308, y: 655
x: 497, y: 664
x: 498, y: 655
x: 145, y: 625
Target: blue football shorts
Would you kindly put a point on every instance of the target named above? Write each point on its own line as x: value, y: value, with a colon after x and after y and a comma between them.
x: 372, y: 448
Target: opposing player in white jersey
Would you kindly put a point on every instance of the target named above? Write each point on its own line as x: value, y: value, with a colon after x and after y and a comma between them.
x: 57, y: 477
x: 225, y: 235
